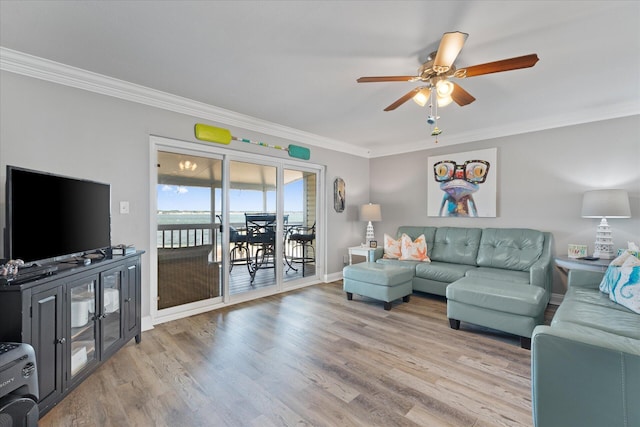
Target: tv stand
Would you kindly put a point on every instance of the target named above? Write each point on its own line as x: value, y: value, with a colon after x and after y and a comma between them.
x: 25, y: 274
x: 75, y: 317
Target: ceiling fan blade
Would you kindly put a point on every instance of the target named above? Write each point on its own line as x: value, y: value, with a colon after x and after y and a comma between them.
x: 450, y: 46
x: 461, y: 96
x: 503, y: 65
x: 386, y: 79
x: 407, y: 96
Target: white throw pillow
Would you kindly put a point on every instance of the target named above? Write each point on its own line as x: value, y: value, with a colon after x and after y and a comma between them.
x: 392, y: 247
x: 414, y: 251
x: 626, y: 290
x: 611, y: 275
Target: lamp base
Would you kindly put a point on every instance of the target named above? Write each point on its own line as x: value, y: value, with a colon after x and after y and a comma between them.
x: 604, y: 242
x: 370, y: 236
x: 602, y: 255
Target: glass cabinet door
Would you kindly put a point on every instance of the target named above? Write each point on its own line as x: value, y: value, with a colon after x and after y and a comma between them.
x: 111, y: 311
x: 82, y: 320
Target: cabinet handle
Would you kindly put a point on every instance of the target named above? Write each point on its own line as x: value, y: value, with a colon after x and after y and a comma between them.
x: 61, y: 340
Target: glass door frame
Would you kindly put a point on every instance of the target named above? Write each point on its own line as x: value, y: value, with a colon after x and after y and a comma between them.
x: 226, y: 155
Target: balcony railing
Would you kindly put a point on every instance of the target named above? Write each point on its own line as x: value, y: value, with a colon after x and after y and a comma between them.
x: 187, y: 235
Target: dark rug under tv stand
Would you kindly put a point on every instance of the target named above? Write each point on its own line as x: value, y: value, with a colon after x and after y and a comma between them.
x: 75, y: 316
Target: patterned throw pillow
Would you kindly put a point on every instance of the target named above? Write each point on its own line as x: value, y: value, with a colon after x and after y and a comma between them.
x: 626, y: 290
x: 391, y: 247
x: 611, y: 275
x: 414, y: 251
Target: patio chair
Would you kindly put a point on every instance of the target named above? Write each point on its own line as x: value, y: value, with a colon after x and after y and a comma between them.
x: 261, y: 238
x: 301, y: 239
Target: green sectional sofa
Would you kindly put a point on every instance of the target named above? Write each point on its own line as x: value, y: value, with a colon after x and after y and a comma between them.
x: 585, y: 367
x: 499, y: 278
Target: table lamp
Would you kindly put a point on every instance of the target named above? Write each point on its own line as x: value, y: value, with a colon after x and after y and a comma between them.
x: 370, y: 212
x: 605, y: 204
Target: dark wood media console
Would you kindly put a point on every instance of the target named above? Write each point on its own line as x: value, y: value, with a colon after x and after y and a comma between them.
x: 75, y: 319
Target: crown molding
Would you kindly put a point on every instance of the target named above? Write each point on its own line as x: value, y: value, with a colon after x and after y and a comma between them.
x: 516, y: 128
x: 32, y: 66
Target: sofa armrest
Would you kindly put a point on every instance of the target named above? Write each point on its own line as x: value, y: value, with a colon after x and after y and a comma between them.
x: 377, y: 254
x: 584, y: 279
x: 541, y: 271
x: 582, y: 377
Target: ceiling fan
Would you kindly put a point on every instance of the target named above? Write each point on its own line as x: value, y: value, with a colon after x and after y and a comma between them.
x: 439, y: 68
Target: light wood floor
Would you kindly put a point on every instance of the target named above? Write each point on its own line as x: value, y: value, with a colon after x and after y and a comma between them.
x: 309, y: 358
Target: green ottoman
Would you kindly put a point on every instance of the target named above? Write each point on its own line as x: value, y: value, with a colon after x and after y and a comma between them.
x: 509, y: 307
x: 378, y: 281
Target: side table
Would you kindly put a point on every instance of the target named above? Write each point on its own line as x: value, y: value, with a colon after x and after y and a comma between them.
x: 361, y: 251
x: 565, y: 264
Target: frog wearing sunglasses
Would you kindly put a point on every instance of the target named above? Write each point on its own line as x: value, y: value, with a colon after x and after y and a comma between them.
x: 460, y: 182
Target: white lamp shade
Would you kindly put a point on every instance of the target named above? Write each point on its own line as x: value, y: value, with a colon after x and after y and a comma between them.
x: 370, y: 212
x: 422, y: 96
x: 606, y: 204
x: 444, y: 88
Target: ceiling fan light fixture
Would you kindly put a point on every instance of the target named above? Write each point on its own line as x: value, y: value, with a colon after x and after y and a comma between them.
x: 187, y: 165
x: 422, y: 97
x: 444, y: 101
x: 444, y: 88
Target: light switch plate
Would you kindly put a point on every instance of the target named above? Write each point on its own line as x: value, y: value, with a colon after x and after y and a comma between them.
x: 124, y: 207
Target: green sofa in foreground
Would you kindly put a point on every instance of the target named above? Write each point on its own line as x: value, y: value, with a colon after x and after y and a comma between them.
x: 498, y: 278
x: 585, y: 367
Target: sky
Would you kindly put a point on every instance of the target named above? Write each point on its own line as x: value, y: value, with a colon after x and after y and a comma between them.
x: 172, y: 197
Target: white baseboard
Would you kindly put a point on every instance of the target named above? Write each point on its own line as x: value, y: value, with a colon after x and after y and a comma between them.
x: 147, y: 325
x: 328, y: 278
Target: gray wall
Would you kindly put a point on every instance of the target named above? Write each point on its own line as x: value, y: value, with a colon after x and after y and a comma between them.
x: 541, y: 179
x: 542, y: 175
x: 58, y: 129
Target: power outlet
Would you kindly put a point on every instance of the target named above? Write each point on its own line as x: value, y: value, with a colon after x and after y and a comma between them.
x: 124, y: 208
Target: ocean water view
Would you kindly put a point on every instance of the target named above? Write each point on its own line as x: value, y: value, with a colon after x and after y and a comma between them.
x: 204, y: 217
x: 182, y: 238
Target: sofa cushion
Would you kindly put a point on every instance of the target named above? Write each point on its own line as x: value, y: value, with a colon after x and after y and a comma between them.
x: 456, y: 245
x: 519, y: 277
x: 621, y: 322
x: 497, y: 295
x: 442, y: 271
x: 510, y: 248
x: 588, y: 296
x: 378, y: 274
x: 396, y: 262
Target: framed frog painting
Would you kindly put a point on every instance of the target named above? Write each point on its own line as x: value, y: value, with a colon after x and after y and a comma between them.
x: 462, y: 184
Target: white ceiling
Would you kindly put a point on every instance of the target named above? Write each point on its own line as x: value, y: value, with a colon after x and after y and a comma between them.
x: 295, y: 63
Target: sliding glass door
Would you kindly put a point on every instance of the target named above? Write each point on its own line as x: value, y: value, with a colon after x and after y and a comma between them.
x: 231, y: 226
x: 300, y: 205
x: 188, y: 238
x: 253, y: 226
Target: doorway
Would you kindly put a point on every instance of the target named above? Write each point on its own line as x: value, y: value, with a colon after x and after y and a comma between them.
x: 231, y: 227
x: 189, y: 258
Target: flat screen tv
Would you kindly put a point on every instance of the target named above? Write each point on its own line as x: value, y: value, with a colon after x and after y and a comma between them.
x: 51, y: 217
